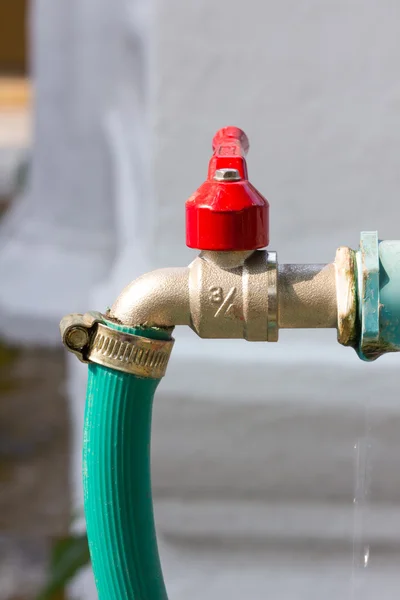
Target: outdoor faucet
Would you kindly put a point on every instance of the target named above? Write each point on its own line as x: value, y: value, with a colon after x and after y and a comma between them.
x: 235, y: 288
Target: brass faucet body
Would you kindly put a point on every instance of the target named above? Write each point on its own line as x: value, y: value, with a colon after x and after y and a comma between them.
x: 243, y: 295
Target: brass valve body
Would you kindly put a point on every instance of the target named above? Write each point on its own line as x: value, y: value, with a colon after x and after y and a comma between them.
x: 243, y: 295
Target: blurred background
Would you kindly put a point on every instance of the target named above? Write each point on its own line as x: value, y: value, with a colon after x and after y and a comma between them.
x: 275, y: 467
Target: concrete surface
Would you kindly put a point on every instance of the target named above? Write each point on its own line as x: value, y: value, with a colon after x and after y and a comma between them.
x: 35, y: 504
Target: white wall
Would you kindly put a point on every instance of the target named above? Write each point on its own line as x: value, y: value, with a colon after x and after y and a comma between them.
x: 314, y: 86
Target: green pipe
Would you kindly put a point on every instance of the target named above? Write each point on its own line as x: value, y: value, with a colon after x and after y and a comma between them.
x: 389, y: 293
x: 378, y: 296
x: 117, y: 484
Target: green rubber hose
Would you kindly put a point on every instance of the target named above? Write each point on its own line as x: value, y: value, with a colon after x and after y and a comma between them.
x: 117, y: 484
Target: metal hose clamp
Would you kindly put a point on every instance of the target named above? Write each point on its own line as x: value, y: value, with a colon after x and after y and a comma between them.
x: 91, y: 339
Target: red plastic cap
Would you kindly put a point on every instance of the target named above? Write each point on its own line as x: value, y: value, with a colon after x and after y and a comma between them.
x: 227, y: 212
x: 233, y: 133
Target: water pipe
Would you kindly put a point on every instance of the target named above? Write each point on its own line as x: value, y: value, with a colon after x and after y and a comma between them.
x: 235, y: 288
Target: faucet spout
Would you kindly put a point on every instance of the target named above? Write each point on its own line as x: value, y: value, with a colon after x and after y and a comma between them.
x: 157, y: 299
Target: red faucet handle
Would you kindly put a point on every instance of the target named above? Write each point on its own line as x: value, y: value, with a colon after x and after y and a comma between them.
x: 231, y: 135
x: 226, y: 212
x: 230, y: 146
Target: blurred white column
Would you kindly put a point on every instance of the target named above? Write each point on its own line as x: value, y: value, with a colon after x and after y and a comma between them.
x: 84, y: 226
x: 59, y: 238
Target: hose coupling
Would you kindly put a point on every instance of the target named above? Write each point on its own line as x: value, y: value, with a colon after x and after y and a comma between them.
x: 92, y: 338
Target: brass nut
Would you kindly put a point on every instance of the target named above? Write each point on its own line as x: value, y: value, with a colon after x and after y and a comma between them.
x: 346, y: 296
x: 227, y: 175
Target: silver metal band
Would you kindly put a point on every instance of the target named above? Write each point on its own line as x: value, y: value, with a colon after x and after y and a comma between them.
x: 92, y: 340
x: 130, y: 353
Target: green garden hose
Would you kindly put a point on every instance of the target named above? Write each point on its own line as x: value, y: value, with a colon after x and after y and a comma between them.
x: 117, y: 483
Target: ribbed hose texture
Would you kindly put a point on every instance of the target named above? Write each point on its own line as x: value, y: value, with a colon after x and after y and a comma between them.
x: 117, y: 484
